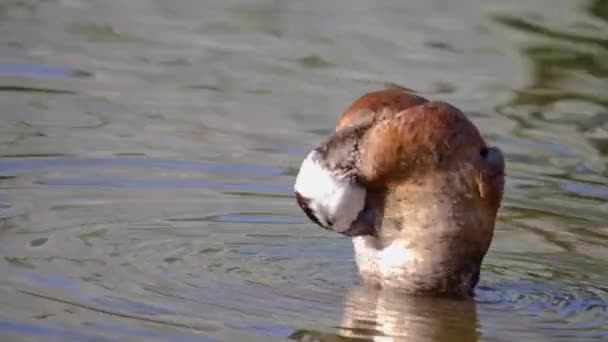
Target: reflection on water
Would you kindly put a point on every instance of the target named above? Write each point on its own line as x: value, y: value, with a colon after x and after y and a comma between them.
x: 531, y: 311
x: 148, y: 150
x: 388, y: 316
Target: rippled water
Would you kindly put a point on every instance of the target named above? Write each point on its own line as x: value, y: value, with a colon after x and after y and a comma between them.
x: 149, y: 148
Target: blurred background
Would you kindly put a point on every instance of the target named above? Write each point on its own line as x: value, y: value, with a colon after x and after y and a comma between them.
x: 148, y: 150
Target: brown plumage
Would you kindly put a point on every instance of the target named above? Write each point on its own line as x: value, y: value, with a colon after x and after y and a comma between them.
x: 433, y: 191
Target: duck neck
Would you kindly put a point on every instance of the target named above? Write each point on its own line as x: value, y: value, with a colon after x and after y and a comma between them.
x: 436, y: 247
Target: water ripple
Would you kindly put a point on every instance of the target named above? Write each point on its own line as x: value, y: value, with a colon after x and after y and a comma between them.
x: 12, y: 164
x: 164, y: 184
x: 42, y: 70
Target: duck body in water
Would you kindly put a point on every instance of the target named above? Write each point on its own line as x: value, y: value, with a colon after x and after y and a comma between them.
x: 416, y: 187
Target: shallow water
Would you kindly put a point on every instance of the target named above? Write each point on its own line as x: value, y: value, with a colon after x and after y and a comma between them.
x: 149, y: 148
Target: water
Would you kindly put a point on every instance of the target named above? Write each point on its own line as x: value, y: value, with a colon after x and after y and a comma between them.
x: 149, y: 148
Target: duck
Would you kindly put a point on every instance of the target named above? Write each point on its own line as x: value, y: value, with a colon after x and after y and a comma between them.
x: 415, y: 186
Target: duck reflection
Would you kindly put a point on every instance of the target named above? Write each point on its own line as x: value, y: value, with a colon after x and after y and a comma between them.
x: 388, y: 316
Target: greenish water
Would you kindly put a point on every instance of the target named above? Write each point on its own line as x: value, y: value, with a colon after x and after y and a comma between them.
x: 148, y: 150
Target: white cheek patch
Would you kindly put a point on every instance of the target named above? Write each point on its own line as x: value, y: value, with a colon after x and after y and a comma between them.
x: 335, y: 202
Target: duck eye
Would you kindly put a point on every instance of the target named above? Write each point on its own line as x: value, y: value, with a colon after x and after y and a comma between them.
x: 484, y: 152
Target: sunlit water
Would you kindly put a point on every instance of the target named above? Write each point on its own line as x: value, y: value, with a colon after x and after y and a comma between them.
x: 149, y: 148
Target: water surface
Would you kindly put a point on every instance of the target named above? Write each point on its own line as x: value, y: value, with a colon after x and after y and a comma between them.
x: 148, y: 150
